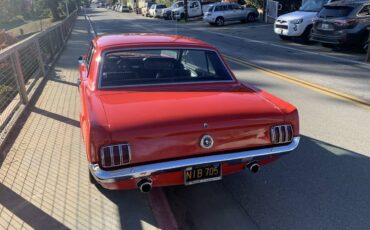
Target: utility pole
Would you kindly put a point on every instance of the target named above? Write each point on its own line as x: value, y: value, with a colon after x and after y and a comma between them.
x: 186, y: 10
x: 67, y: 10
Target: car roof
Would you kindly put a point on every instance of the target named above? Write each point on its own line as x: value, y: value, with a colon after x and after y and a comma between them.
x: 347, y: 2
x: 146, y: 39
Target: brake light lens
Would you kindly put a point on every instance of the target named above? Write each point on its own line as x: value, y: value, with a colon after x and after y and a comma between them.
x: 115, y: 155
x: 281, y: 134
x: 345, y: 22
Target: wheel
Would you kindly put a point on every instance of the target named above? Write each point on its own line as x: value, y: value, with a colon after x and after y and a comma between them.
x: 283, y: 37
x: 220, y: 21
x: 182, y: 16
x: 365, y: 43
x: 251, y: 18
x: 306, y: 36
x: 91, y: 178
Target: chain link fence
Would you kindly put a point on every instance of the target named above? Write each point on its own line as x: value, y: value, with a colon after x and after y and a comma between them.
x: 24, y: 65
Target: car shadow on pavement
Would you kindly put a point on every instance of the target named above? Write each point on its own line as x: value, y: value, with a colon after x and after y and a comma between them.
x: 133, y: 207
x: 318, y: 186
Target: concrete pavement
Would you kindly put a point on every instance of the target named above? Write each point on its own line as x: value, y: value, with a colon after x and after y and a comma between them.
x: 43, y: 168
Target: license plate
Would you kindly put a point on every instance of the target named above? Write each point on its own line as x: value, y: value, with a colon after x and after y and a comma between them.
x: 325, y: 26
x: 204, y: 173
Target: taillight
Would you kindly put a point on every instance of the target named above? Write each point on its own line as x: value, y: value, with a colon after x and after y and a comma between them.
x: 115, y: 155
x: 345, y: 23
x: 281, y: 134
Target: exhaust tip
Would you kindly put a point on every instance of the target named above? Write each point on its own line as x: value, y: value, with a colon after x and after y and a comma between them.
x: 254, y: 167
x: 144, y: 185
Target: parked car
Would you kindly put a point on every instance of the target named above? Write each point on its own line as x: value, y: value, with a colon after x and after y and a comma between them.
x: 124, y: 8
x: 343, y: 23
x: 145, y: 9
x: 298, y: 23
x: 194, y: 10
x: 167, y: 12
x: 219, y: 13
x: 151, y: 116
x: 156, y: 10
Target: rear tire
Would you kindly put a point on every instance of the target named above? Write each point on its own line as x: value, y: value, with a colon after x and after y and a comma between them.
x: 220, y: 21
x: 251, y: 18
x: 91, y: 178
x: 306, y: 36
x: 284, y: 38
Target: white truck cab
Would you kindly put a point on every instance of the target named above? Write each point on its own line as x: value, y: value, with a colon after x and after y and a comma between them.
x: 194, y: 10
x: 298, y: 23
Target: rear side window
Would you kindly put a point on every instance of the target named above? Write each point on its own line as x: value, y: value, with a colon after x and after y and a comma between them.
x: 335, y: 11
x: 364, y: 12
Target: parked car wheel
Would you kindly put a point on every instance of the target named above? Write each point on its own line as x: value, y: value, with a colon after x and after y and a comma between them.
x: 251, y: 18
x: 91, y: 178
x: 365, y: 43
x: 306, y: 36
x: 220, y: 21
x: 283, y: 37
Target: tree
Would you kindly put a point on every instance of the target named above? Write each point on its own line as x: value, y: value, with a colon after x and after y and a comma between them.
x: 53, y: 6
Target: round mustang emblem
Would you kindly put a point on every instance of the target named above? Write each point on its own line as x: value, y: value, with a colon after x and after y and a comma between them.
x: 206, y: 142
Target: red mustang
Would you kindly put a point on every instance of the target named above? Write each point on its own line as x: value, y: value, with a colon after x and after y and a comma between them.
x: 160, y: 110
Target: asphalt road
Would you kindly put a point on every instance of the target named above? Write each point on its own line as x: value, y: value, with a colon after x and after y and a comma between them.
x: 325, y: 183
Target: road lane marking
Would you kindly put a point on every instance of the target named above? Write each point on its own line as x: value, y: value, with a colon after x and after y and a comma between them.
x: 318, y: 88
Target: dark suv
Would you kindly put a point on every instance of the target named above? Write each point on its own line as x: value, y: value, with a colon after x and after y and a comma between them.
x: 343, y: 22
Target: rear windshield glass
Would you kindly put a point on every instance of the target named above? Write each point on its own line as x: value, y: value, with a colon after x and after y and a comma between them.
x: 161, y: 66
x: 312, y: 6
x: 335, y: 11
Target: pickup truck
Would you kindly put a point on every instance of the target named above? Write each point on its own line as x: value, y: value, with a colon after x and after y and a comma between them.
x: 194, y: 10
x: 167, y: 12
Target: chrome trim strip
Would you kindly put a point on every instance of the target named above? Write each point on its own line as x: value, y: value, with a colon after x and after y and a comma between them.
x: 280, y: 134
x: 161, y: 167
x: 120, y: 155
x: 111, y: 155
x: 286, y: 134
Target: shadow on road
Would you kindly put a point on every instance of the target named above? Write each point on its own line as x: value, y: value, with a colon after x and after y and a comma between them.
x: 318, y: 186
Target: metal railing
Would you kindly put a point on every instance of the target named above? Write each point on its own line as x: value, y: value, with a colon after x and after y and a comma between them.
x: 24, y: 65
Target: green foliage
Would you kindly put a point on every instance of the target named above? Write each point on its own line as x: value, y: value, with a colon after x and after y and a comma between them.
x: 14, y: 10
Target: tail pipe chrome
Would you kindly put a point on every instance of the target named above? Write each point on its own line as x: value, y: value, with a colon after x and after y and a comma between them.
x: 144, y: 185
x: 254, y: 167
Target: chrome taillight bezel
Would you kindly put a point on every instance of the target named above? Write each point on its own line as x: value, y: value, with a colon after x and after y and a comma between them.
x: 113, y: 163
x: 281, y: 134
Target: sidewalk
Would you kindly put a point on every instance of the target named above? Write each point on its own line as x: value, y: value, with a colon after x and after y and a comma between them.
x: 43, y: 168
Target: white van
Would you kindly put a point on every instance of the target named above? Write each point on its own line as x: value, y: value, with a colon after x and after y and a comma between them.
x: 298, y: 23
x: 194, y: 10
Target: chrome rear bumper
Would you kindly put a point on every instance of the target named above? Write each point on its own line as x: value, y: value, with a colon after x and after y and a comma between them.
x: 104, y: 176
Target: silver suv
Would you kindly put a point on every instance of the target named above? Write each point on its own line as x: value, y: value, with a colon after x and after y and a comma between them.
x: 220, y: 13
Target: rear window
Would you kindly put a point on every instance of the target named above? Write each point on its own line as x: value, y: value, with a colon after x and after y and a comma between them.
x: 335, y: 11
x: 161, y: 66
